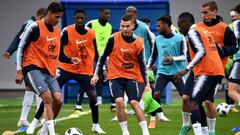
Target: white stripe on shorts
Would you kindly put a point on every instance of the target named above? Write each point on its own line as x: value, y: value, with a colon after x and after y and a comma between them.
x: 32, y: 83
x: 197, y: 87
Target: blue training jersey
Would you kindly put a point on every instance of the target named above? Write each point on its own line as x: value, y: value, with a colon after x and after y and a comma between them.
x: 170, y: 47
x: 143, y: 31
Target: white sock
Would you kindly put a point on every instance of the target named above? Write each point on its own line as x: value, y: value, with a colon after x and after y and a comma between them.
x: 38, y: 100
x: 197, y: 129
x: 124, y: 127
x: 141, y: 104
x: 205, y: 131
x: 44, y: 128
x: 143, y: 125
x: 153, y: 118
x: 26, y: 104
x: 186, y: 119
x: 125, y: 100
x: 113, y: 104
x: 211, y: 124
x: 95, y: 125
x: 238, y: 103
x: 34, y: 122
x: 50, y: 125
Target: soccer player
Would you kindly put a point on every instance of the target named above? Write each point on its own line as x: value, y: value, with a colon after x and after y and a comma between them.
x: 29, y: 95
x: 169, y: 49
x: 103, y: 30
x: 234, y: 79
x: 203, y: 52
x: 126, y: 65
x: 37, y: 60
x: 226, y: 45
x: 141, y: 30
x: 80, y: 42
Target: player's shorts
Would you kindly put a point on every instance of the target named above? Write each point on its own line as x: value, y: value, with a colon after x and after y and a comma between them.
x: 83, y: 80
x: 162, y: 80
x: 188, y: 84
x: 204, y: 88
x: 120, y: 85
x: 40, y: 82
x: 141, y: 88
x: 234, y: 75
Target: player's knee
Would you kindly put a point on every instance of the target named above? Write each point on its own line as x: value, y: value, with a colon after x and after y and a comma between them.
x: 133, y: 103
x: 208, y: 103
x: 185, y: 99
x: 119, y: 101
x: 48, y: 100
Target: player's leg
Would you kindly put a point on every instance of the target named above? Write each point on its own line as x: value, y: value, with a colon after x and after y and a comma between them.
x: 40, y: 86
x: 117, y: 91
x: 185, y: 104
x: 84, y: 81
x: 211, y: 108
x: 80, y: 95
x: 161, y: 82
x: 234, y: 82
x: 99, y: 88
x: 26, y: 106
x: 132, y: 93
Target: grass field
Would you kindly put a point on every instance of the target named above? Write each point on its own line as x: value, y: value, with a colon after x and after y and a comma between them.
x: 10, y: 111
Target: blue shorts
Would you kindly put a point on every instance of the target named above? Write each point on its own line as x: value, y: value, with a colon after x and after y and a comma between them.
x: 120, y: 85
x: 40, y: 82
x: 162, y: 80
x: 83, y: 80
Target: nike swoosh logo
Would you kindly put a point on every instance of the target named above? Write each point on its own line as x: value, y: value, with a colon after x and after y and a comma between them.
x: 80, y: 42
x: 50, y: 39
x: 124, y: 50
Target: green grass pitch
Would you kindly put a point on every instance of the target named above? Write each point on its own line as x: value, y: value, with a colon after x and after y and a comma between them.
x: 10, y: 112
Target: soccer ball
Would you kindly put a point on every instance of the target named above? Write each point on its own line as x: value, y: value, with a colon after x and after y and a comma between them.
x: 73, y: 131
x: 223, y: 109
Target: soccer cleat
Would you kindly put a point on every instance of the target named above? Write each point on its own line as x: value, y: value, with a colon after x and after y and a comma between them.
x: 23, y: 123
x: 43, y: 130
x: 114, y: 118
x: 184, y: 130
x: 212, y: 133
x: 131, y: 112
x: 97, y: 129
x: 31, y: 128
x: 164, y: 118
x: 234, y: 109
x: 126, y: 133
x: 152, y: 124
x: 112, y: 108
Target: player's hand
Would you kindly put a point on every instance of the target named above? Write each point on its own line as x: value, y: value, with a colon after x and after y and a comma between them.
x: 19, y: 77
x: 94, y: 80
x: 168, y: 59
x: 147, y: 88
x: 105, y: 75
x: 180, y: 74
x: 7, y: 55
x: 75, y: 60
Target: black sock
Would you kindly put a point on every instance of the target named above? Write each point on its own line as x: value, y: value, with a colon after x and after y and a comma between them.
x: 195, y: 116
x: 203, y: 116
x: 39, y: 111
x: 80, y: 96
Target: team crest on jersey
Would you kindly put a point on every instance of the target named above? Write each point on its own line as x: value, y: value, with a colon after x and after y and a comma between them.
x: 51, y: 47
